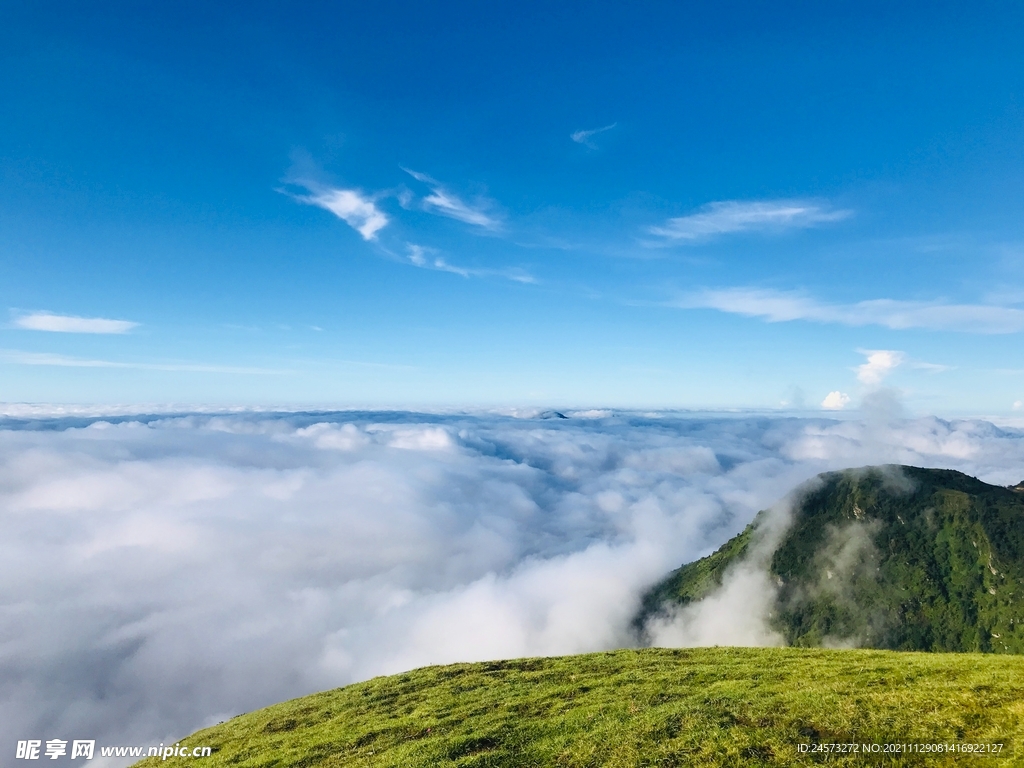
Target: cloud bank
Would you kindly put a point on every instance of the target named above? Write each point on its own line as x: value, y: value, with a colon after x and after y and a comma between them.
x: 47, y: 321
x: 165, y: 573
x: 781, y: 306
x: 731, y: 216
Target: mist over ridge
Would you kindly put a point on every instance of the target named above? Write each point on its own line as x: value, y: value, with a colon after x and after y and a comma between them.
x: 167, y: 572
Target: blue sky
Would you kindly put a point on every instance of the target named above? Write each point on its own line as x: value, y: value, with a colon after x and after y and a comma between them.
x: 464, y: 204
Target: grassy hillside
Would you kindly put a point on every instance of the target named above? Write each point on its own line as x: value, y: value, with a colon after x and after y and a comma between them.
x: 651, y: 707
x: 887, y: 557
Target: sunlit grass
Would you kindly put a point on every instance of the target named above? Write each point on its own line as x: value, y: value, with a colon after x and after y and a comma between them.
x: 652, y: 707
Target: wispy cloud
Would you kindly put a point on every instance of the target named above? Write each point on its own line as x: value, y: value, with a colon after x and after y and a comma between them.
x: 929, y: 367
x: 879, y: 364
x: 779, y: 306
x: 517, y: 275
x: 47, y: 321
x: 583, y: 137
x: 18, y: 357
x: 445, y: 203
x: 352, y: 206
x: 428, y: 258
x: 425, y: 258
x: 728, y: 216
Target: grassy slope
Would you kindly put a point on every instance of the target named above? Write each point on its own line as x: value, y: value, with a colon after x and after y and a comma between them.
x: 695, y: 580
x: 944, y: 570
x: 652, y: 707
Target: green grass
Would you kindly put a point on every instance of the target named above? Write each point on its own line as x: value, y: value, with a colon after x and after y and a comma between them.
x: 651, y: 707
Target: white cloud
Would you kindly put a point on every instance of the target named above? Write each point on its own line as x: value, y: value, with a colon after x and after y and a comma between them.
x: 835, y: 401
x: 880, y: 363
x: 929, y: 367
x: 730, y: 216
x: 779, y: 306
x: 418, y: 254
x: 584, y: 137
x: 517, y: 275
x: 352, y: 206
x: 427, y: 258
x: 443, y: 266
x: 445, y: 203
x: 164, y: 573
x: 1018, y: 404
x: 735, y: 615
x: 47, y: 321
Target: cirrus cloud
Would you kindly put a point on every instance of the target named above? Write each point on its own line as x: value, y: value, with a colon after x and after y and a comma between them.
x: 786, y: 306
x: 446, y: 203
x: 352, y: 206
x: 19, y: 357
x: 428, y: 258
x: 48, y: 321
x: 584, y: 136
x: 730, y: 216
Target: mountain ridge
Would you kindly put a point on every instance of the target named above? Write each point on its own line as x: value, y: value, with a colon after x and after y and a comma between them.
x: 894, y: 557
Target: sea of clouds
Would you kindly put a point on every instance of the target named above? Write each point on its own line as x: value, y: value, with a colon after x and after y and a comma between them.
x: 162, y: 573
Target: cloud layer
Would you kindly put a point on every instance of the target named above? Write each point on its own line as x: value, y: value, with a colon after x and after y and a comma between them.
x: 730, y: 216
x: 162, y: 574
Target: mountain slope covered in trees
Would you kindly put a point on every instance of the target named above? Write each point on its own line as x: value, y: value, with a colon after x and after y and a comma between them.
x: 892, y: 557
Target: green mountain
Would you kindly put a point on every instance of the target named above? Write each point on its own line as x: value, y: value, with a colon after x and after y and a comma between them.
x: 891, y: 557
x: 652, y: 707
